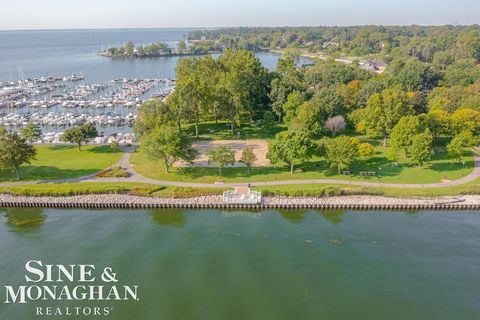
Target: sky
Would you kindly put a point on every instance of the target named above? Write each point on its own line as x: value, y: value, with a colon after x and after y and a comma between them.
x: 89, y: 14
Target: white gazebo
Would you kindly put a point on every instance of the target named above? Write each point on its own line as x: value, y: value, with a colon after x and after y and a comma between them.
x: 242, y: 195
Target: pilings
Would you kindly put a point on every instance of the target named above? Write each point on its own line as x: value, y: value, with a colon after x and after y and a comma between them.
x: 221, y: 206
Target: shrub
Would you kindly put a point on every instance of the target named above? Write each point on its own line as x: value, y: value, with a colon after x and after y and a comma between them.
x: 187, y: 192
x: 115, y: 172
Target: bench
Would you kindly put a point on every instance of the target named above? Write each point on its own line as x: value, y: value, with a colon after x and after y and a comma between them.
x: 368, y: 173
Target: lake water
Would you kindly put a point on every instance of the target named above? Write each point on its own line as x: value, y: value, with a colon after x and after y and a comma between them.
x: 59, y: 53
x: 258, y: 265
x: 55, y: 53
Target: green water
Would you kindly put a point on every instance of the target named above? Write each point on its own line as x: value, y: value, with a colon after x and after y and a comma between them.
x: 264, y: 265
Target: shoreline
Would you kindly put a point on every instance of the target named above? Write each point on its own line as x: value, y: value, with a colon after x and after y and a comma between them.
x: 123, y: 201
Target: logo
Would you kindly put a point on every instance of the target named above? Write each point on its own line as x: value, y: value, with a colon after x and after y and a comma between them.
x: 46, y: 282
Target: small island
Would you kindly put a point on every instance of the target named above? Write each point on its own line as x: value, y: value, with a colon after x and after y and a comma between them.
x: 161, y: 49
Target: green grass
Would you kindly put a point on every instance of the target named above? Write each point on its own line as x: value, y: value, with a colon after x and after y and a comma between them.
x: 64, y: 161
x: 319, y: 189
x: 148, y: 190
x: 439, y: 169
x: 139, y: 189
x: 210, y: 130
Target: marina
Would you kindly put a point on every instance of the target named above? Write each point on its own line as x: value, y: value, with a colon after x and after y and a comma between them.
x: 56, y: 103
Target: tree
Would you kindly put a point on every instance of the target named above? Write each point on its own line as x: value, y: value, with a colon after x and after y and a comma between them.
x: 80, y: 135
x: 268, y: 119
x: 402, y: 135
x: 329, y: 103
x: 289, y: 79
x: 242, y: 84
x: 335, y: 124
x: 416, y: 76
x: 438, y: 122
x: 384, y: 110
x: 115, y: 146
x: 15, y: 151
x: 466, y: 119
x: 340, y: 152
x: 195, y: 88
x: 248, y: 158
x: 181, y: 46
x: 167, y: 144
x: 421, y: 148
x: 290, y: 108
x: 129, y: 48
x: 152, y: 114
x: 31, y: 132
x: 290, y: 147
x: 457, y: 145
x: 221, y: 156
x: 366, y: 151
x: 307, y: 121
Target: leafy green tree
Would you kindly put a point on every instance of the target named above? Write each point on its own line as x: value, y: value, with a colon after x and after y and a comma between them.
x: 167, y: 144
x: 366, y: 151
x: 466, y: 119
x: 307, y: 121
x: 384, y: 110
x: 340, y: 152
x: 242, y: 84
x: 115, y: 146
x: 31, y: 132
x: 462, y: 72
x: 402, y: 135
x: 438, y: 122
x: 294, y: 101
x: 248, y: 158
x: 289, y: 79
x: 417, y: 76
x: 457, y: 145
x: 181, y: 46
x: 268, y: 119
x: 152, y: 114
x: 290, y: 147
x: 3, y: 130
x: 221, y: 156
x: 195, y: 88
x: 329, y: 103
x: 15, y: 151
x: 80, y: 135
x: 129, y: 48
x: 421, y: 148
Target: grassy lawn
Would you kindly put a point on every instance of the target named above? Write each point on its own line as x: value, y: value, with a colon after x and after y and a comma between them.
x: 138, y: 189
x: 312, y: 189
x: 64, y: 161
x: 440, y: 168
x: 210, y: 130
x: 148, y: 190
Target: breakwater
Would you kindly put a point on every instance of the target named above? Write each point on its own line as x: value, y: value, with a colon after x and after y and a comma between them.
x: 121, y: 201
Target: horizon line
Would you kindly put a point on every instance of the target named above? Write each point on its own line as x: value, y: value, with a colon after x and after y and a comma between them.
x: 234, y: 27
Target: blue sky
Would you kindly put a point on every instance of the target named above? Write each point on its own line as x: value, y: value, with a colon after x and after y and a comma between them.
x: 62, y: 14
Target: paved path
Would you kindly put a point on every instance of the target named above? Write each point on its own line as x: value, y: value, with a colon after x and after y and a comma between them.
x: 137, y: 178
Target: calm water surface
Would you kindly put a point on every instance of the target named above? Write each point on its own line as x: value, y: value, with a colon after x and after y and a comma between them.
x: 263, y: 265
x: 63, y: 52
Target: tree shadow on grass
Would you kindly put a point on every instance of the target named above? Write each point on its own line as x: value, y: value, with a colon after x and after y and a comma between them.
x: 39, y: 173
x: 57, y: 147
x: 103, y: 149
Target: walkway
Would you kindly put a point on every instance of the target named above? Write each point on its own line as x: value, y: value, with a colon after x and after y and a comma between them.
x: 137, y: 178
